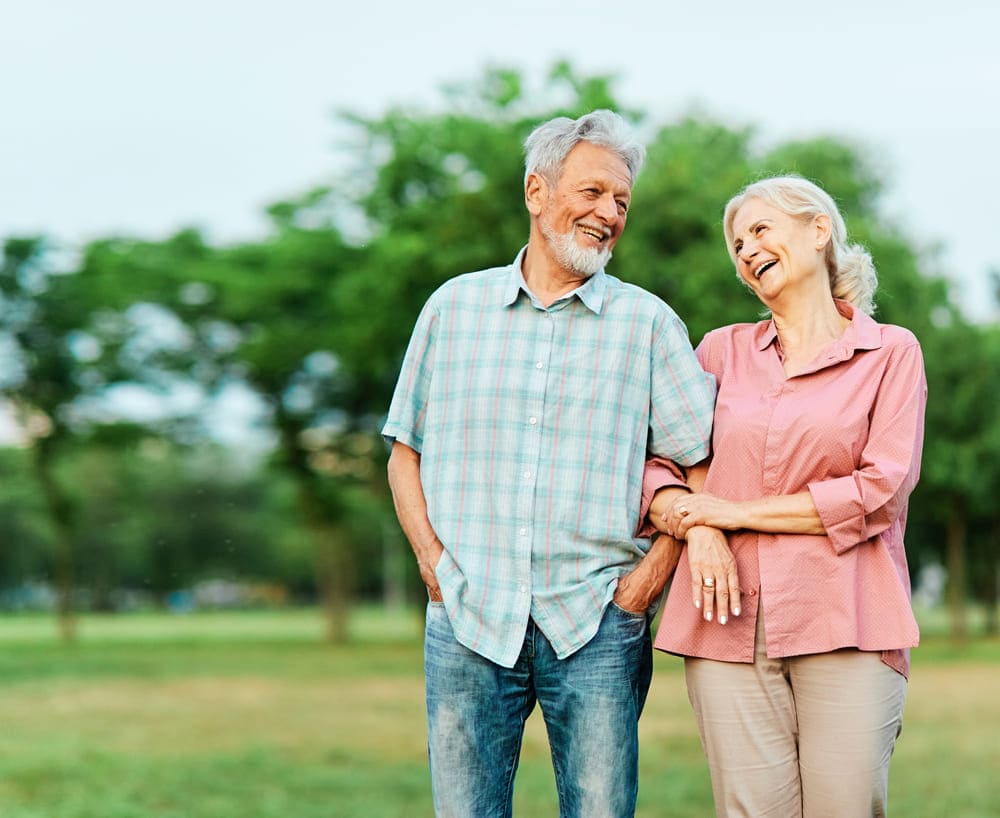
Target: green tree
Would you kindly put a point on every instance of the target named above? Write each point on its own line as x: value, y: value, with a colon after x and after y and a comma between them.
x: 314, y: 319
x: 961, y: 469
x: 444, y: 191
x: 43, y: 322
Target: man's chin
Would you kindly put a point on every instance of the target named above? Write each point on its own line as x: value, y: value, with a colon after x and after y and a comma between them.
x: 582, y: 261
x: 593, y: 265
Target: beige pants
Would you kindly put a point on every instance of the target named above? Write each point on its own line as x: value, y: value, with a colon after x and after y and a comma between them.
x: 805, y: 736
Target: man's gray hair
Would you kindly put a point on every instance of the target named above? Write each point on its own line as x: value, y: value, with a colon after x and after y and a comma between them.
x: 547, y: 147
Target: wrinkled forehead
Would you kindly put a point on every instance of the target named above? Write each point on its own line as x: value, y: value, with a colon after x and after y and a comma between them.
x: 590, y: 161
x: 752, y: 211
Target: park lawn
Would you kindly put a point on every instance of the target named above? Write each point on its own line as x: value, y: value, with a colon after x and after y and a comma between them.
x: 252, y: 715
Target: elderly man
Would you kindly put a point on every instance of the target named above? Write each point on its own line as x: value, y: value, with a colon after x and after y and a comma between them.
x: 528, y: 400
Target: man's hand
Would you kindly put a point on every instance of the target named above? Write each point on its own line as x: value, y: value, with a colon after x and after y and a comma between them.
x: 411, y: 508
x: 427, y: 563
x: 639, y: 589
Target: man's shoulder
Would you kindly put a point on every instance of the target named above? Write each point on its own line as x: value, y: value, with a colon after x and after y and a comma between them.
x: 474, y: 282
x: 469, y: 290
x: 623, y: 294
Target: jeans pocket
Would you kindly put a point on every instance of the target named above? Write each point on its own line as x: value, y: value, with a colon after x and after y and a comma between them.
x: 641, y: 616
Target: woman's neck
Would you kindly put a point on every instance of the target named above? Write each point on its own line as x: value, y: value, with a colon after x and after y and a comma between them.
x: 804, y: 328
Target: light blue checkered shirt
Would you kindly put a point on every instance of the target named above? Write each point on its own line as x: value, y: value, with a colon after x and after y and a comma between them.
x: 533, y: 424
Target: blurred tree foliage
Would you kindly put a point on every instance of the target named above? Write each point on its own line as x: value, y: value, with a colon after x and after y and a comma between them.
x: 312, y: 320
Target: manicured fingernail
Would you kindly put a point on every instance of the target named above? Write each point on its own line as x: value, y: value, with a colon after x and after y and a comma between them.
x: 697, y: 603
x: 722, y: 619
x: 736, y: 611
x: 708, y: 616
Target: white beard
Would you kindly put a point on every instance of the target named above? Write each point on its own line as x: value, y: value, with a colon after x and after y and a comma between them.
x: 583, y: 261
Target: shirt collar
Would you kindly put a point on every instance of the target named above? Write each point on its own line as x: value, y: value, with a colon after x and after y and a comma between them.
x: 591, y: 292
x: 862, y: 333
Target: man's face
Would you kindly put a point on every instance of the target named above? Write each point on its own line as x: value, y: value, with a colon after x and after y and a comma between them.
x: 584, y: 212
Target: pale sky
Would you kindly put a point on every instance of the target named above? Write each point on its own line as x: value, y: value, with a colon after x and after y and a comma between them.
x: 138, y: 118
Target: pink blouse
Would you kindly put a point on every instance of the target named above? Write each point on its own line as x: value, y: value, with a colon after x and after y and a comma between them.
x: 850, y: 430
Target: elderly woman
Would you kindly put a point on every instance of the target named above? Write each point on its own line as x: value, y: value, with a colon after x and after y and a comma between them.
x: 797, y: 642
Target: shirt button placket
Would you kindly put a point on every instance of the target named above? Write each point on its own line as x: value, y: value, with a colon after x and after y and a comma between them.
x: 537, y: 382
x: 773, y: 454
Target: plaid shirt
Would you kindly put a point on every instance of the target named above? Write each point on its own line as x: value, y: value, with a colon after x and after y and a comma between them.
x: 533, y: 424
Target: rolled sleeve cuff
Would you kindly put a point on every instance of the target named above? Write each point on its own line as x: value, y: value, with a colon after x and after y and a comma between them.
x: 393, y: 433
x: 841, y: 510
x: 659, y: 473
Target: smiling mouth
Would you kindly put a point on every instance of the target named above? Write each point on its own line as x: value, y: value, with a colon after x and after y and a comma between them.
x: 596, y: 233
x: 767, y: 265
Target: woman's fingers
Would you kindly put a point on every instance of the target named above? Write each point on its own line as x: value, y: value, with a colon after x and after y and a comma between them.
x: 716, y: 598
x: 733, y: 581
x: 683, y: 524
x: 715, y: 585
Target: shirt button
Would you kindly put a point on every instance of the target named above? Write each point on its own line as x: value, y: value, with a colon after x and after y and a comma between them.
x: 527, y: 475
x: 523, y: 532
x: 752, y: 593
x: 523, y: 588
x: 539, y: 365
x: 532, y: 420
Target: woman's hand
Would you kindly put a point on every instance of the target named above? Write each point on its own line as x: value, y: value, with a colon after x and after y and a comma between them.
x: 715, y: 582
x: 701, y: 509
x: 663, y: 500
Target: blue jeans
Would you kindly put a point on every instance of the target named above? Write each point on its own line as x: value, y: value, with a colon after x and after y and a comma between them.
x: 590, y: 701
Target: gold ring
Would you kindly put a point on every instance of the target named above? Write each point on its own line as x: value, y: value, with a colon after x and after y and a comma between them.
x: 683, y: 510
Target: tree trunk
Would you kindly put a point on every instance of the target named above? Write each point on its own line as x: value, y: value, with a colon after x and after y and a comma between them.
x: 395, y: 557
x: 992, y: 623
x: 334, y: 572
x: 334, y: 559
x: 62, y: 528
x: 956, y: 574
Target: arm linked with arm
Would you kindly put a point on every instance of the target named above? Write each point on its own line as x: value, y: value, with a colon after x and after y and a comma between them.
x: 849, y: 509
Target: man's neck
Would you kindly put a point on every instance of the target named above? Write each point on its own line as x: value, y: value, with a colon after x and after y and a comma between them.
x: 545, y: 277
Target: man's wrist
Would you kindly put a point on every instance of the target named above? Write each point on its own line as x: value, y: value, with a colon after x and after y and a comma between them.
x: 661, y: 559
x: 664, y: 499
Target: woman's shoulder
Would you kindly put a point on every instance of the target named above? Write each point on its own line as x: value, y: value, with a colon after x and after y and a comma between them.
x: 733, y: 333
x: 724, y: 344
x: 895, y: 335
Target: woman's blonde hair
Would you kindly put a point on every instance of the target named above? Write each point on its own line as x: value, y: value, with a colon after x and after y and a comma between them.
x: 852, y: 272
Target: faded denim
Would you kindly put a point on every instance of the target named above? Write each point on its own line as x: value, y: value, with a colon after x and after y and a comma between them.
x: 590, y: 701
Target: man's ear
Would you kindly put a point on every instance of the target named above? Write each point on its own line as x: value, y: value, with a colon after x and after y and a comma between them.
x: 536, y: 190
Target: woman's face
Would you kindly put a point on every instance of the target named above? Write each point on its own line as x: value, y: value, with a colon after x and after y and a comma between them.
x: 778, y: 255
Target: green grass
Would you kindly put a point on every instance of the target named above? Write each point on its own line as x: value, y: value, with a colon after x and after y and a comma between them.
x: 251, y: 715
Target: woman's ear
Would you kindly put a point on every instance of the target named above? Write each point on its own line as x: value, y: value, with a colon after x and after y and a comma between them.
x: 821, y: 224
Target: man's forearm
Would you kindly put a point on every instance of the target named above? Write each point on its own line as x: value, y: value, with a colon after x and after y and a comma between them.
x: 639, y: 589
x: 411, y: 509
x: 661, y: 559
